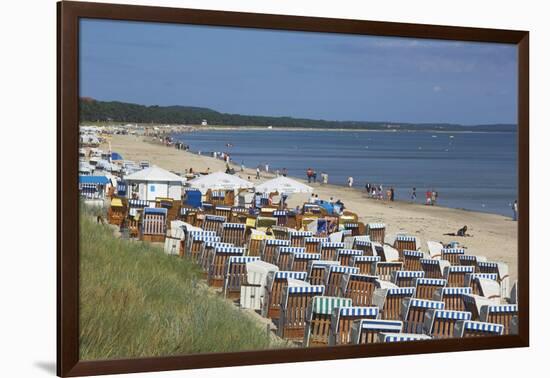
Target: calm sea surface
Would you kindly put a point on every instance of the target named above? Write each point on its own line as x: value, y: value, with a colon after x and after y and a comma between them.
x: 476, y: 171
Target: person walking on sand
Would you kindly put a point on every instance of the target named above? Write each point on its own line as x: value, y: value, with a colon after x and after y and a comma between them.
x: 350, y: 181
x: 434, y: 197
x: 257, y: 173
x: 392, y: 194
x: 413, y: 195
x: 314, y: 176
x: 309, y: 174
x: 515, y: 210
x: 428, y: 197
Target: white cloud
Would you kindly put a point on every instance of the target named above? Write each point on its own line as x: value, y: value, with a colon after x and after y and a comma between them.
x: 436, y: 88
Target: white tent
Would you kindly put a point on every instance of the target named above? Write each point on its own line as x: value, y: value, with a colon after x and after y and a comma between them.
x: 219, y: 181
x: 283, y: 185
x: 156, y: 182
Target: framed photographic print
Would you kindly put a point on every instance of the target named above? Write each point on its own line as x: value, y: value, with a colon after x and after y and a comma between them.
x: 239, y: 188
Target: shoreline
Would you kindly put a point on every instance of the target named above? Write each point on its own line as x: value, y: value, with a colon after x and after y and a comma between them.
x: 493, y: 235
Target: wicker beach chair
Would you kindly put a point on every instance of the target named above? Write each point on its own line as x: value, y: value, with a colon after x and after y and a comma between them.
x: 117, y: 212
x: 474, y: 303
x: 366, y: 331
x: 213, y: 223
x: 355, y: 228
x: 273, y: 294
x: 238, y: 215
x: 405, y: 242
x: 328, y: 249
x: 470, y: 328
x: 316, y: 271
x: 440, y: 324
x: 217, y: 263
x: 366, y: 246
x: 456, y: 274
x: 484, y: 284
x: 269, y: 246
x: 253, y: 288
x: 255, y: 242
x: 280, y: 232
x: 342, y: 319
x: 452, y: 255
x: 233, y: 233
x: 333, y: 278
x: 298, y: 262
x: 293, y: 315
x: 452, y: 296
x: 235, y: 275
x: 388, y: 301
x: 376, y: 232
x: 153, y: 225
x: 406, y: 278
x: 283, y: 255
x: 501, y: 270
x: 384, y: 337
x: 206, y: 254
x: 384, y: 269
x: 297, y: 238
x: 313, y: 244
x: 500, y: 314
x: 318, y: 319
x: 208, y: 208
x: 366, y: 264
x: 223, y: 211
x: 411, y: 260
x: 344, y: 256
x: 469, y: 260
x: 426, y: 287
x: 414, y: 310
x: 282, y: 217
x: 194, y: 241
x: 358, y: 287
x: 434, y: 268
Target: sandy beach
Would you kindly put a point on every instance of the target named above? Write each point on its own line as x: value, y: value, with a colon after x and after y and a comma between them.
x: 493, y: 236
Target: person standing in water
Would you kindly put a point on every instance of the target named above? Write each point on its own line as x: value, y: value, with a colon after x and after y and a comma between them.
x: 350, y: 181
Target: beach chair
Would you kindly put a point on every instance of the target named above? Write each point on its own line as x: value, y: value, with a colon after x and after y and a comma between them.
x: 406, y: 278
x: 255, y: 241
x: 500, y: 314
x: 366, y: 264
x: 456, y: 275
x: 484, y: 284
x: 405, y: 242
x: 384, y: 269
x: 333, y: 278
x: 273, y: 294
x: 501, y: 270
x: 254, y: 287
x: 413, y: 312
x: 264, y: 223
x: 411, y: 260
x: 238, y: 215
x: 208, y: 208
x: 117, y: 212
x: 235, y: 275
x: 452, y: 296
x: 452, y: 255
x: 439, y: 324
x: 434, y: 268
x: 359, y: 288
x: 223, y: 211
x: 426, y: 287
x: 294, y: 304
x: 269, y: 247
x: 194, y: 241
x: 388, y: 253
x: 366, y: 331
x: 473, y: 303
x: 328, y: 249
x: 283, y: 254
x: 214, y: 223
x: 342, y: 319
x: 298, y: 262
x: 316, y: 271
x: 297, y: 238
x: 469, y: 260
x: 282, y: 217
x: 188, y: 215
x: 280, y: 232
x: 470, y: 328
x: 388, y: 301
x: 376, y: 232
x: 355, y: 228
x: 313, y: 244
x: 366, y: 246
x: 350, y: 240
x: 344, y: 256
x: 153, y: 225
x: 384, y: 337
x: 217, y: 263
x: 318, y: 319
x: 233, y: 233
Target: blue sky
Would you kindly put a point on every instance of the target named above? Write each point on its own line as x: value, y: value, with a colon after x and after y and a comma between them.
x: 298, y: 74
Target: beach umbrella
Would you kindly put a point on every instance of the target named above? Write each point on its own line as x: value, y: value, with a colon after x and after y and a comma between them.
x: 219, y: 181
x: 283, y: 185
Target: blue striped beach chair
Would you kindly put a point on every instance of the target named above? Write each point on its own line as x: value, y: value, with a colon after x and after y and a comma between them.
x: 500, y: 314
x: 316, y: 270
x: 376, y: 232
x: 388, y: 301
x: 297, y: 238
x: 313, y: 244
x: 269, y: 246
x: 342, y: 319
x: 194, y: 241
x: 298, y: 262
x: 235, y: 275
x: 318, y: 318
x: 356, y: 228
x: 282, y: 217
x: 401, y: 337
x: 453, y: 297
x: 293, y: 315
x: 238, y: 214
x: 426, y: 287
x: 366, y: 246
x: 501, y: 270
x: 469, y: 260
x: 406, y: 278
x: 434, y: 268
x: 280, y: 232
x: 333, y: 278
x: 213, y: 223
x: 405, y: 242
x: 456, y: 274
x: 223, y: 211
x: 283, y: 254
x: 233, y: 233
x: 328, y: 249
x: 414, y: 310
x: 217, y: 264
x: 484, y: 284
x: 440, y: 324
x: 473, y: 303
x: 411, y: 260
x: 359, y: 287
x: 273, y: 294
x: 366, y: 264
x: 207, y: 253
x: 470, y: 328
x: 452, y: 255
x: 384, y: 269
x: 366, y: 331
x: 344, y: 255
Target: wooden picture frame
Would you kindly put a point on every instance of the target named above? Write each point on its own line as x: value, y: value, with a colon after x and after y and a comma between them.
x: 69, y: 13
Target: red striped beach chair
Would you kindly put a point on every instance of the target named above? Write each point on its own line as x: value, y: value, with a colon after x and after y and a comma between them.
x: 235, y: 275
x: 384, y: 269
x: 318, y: 318
x: 313, y: 244
x: 452, y: 296
x: 456, y: 275
x: 366, y: 246
x: 366, y: 264
x: 452, y: 255
x: 333, y: 278
x: 406, y: 278
x: 414, y: 312
x: 297, y: 238
x: 405, y: 242
x: 298, y: 262
x: 426, y: 287
x: 269, y: 247
x: 434, y: 268
x: 283, y: 254
x: 217, y: 264
x: 388, y: 301
x: 500, y: 314
x: 376, y: 232
x: 213, y: 223
x: 344, y: 256
x: 411, y: 260
x: 342, y: 319
x: 223, y: 211
x: 359, y: 288
x: 292, y: 320
x: 316, y: 271
x: 328, y: 249
x: 439, y: 324
x: 366, y: 331
x: 384, y: 337
x: 233, y: 233
x: 470, y: 328
x: 273, y: 294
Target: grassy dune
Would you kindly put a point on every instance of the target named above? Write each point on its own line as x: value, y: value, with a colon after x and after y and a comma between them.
x: 137, y: 302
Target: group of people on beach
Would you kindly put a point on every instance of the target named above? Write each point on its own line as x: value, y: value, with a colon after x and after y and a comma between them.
x: 311, y: 175
x: 377, y: 192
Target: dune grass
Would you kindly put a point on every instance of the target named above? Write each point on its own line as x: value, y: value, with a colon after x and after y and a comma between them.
x: 135, y: 301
